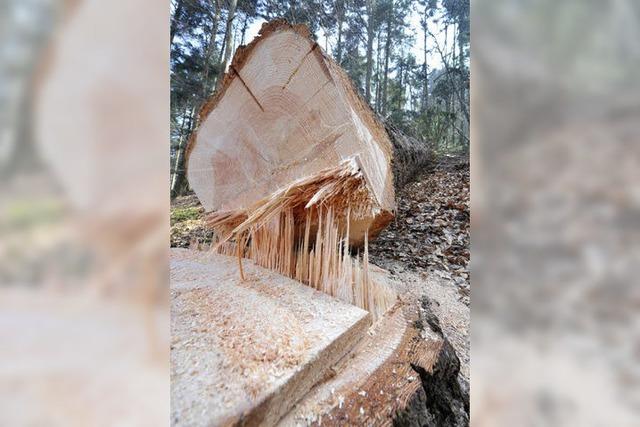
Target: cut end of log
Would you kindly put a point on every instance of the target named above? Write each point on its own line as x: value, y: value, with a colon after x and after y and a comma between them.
x: 285, y: 112
x: 295, y: 166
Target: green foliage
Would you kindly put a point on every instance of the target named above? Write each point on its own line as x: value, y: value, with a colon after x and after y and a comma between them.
x: 185, y: 214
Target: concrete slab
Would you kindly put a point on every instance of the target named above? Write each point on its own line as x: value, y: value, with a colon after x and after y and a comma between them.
x: 246, y: 351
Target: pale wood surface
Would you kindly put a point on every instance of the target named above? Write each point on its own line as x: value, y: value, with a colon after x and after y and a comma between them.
x: 246, y: 351
x: 109, y: 113
x: 376, y: 381
x: 368, y: 377
x: 285, y: 112
x: 71, y: 358
x: 351, y: 373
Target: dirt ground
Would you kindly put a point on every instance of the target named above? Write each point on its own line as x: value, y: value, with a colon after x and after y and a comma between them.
x: 426, y: 247
x: 426, y: 250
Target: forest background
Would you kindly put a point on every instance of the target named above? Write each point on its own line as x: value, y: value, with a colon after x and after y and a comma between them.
x: 408, y: 59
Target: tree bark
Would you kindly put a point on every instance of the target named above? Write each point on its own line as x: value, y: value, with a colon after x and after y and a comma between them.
x: 410, y: 156
x: 181, y: 137
x: 401, y: 77
x: 425, y: 67
x: 377, y: 79
x: 460, y: 48
x: 244, y: 28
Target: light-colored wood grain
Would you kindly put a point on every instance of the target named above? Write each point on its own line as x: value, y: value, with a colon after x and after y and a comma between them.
x: 351, y: 374
x: 376, y: 381
x: 244, y: 352
x: 286, y: 111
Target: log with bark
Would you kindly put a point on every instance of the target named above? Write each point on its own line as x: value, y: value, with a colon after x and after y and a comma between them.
x: 275, y: 352
x: 286, y: 111
x: 297, y: 173
x: 411, y: 157
x: 296, y: 168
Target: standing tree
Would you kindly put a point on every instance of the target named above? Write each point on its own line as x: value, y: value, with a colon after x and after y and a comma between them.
x: 371, y: 23
x: 225, y: 53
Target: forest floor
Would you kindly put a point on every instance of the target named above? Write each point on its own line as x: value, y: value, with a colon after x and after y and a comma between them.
x: 426, y: 247
x: 426, y: 250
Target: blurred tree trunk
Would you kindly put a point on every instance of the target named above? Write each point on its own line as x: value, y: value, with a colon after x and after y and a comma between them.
x: 23, y: 153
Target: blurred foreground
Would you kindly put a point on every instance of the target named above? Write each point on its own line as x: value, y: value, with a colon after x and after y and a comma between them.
x: 555, y: 213
x: 83, y: 213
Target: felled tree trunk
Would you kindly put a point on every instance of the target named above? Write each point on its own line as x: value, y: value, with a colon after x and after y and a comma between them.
x: 285, y: 112
x: 297, y: 171
x: 296, y: 168
x: 411, y: 157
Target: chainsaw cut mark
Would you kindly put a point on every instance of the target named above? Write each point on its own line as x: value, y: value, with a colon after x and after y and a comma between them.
x: 295, y: 71
x: 246, y: 87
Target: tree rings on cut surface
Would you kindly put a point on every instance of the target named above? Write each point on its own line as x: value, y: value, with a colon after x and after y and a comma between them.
x: 286, y: 111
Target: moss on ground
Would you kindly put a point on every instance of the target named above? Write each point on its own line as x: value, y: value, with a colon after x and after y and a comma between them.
x: 185, y: 214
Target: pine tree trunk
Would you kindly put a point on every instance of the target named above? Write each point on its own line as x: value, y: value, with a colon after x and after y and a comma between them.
x: 460, y: 49
x: 371, y: 7
x: 211, y: 46
x: 181, y: 138
x: 340, y: 18
x: 425, y: 67
x: 401, y: 78
x: 228, y: 36
x: 387, y: 52
x: 244, y: 28
x: 174, y: 19
x: 378, y: 82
